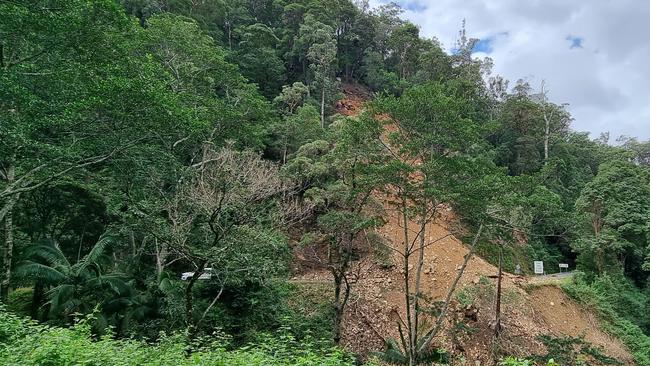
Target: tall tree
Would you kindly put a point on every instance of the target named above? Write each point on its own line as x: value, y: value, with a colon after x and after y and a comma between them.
x: 61, y: 122
x: 322, y: 56
x: 616, y: 207
x: 312, y: 32
x: 222, y: 218
x: 429, y: 165
x: 339, y: 178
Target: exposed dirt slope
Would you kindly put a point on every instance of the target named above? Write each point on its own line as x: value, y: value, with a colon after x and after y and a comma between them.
x: 378, y: 298
x: 355, y: 96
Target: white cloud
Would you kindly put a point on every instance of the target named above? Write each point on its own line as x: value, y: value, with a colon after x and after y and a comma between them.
x: 606, y: 80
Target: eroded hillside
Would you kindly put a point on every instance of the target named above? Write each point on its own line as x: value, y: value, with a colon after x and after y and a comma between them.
x: 530, y: 309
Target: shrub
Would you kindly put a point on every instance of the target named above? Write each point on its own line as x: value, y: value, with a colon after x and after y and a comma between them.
x: 574, y: 351
x: 20, y: 300
x: 25, y: 343
x: 622, y: 307
x: 512, y: 361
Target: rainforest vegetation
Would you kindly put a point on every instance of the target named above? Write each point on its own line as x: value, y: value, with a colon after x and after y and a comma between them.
x: 143, y: 139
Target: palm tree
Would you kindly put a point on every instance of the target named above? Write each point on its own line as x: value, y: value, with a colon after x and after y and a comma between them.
x: 73, y: 288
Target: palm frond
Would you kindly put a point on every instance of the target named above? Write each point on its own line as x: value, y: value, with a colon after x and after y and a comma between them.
x: 97, y: 252
x: 115, y: 282
x: 60, y: 297
x: 48, y: 252
x: 38, y: 271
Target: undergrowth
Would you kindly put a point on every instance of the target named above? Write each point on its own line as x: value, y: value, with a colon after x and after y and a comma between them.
x: 25, y: 343
x: 622, y: 307
x: 574, y: 351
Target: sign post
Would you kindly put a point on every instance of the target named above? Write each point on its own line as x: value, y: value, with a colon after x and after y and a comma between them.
x: 564, y: 266
x: 539, y: 267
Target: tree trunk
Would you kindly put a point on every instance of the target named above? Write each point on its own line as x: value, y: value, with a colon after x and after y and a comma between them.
x: 284, y: 154
x: 497, y: 322
x: 9, y: 240
x: 322, y: 106
x: 547, y: 134
x: 189, y: 299
x: 339, y: 266
x: 37, y: 299
x: 161, y: 258
x: 410, y: 352
x: 418, y: 276
x: 214, y: 301
x: 428, y: 337
x: 338, y: 308
x: 81, y: 241
x: 547, y: 122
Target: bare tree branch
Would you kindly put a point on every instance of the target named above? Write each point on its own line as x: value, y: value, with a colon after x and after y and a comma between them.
x: 11, y: 190
x: 428, y: 337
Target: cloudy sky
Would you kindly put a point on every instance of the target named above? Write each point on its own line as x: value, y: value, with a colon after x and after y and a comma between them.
x: 593, y: 54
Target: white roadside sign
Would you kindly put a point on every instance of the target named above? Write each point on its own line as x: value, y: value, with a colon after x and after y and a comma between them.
x: 539, y: 267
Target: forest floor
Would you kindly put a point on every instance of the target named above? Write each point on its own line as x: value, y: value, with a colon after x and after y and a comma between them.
x: 530, y: 307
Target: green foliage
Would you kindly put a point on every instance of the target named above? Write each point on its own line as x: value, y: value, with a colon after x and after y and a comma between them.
x: 258, y: 59
x: 24, y: 343
x: 433, y: 128
x: 199, y: 73
x: 294, y: 130
x: 310, y: 312
x: 512, y: 255
x: 201, y: 132
x: 20, y: 300
x: 470, y: 294
x: 393, y: 354
x: 616, y: 206
x: 621, y: 305
x: 512, y: 361
x: 377, y: 77
x: 77, y: 288
x: 572, y: 351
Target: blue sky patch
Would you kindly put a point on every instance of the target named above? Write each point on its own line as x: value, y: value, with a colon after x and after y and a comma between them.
x: 483, y: 45
x: 576, y: 42
x: 412, y: 5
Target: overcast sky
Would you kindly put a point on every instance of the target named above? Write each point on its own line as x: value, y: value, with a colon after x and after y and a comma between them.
x: 593, y: 54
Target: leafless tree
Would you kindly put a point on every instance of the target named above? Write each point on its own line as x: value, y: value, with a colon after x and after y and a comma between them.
x: 214, y: 213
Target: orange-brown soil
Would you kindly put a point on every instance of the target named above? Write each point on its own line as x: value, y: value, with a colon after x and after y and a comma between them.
x: 528, y: 311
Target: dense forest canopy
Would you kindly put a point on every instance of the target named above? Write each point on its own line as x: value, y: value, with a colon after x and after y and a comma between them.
x: 140, y: 139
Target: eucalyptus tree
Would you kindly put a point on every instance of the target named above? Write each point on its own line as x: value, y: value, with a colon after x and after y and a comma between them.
x: 322, y: 57
x: 316, y: 48
x: 406, y: 44
x: 299, y: 123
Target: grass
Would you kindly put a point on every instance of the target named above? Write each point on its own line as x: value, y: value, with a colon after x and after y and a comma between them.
x: 539, y: 282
